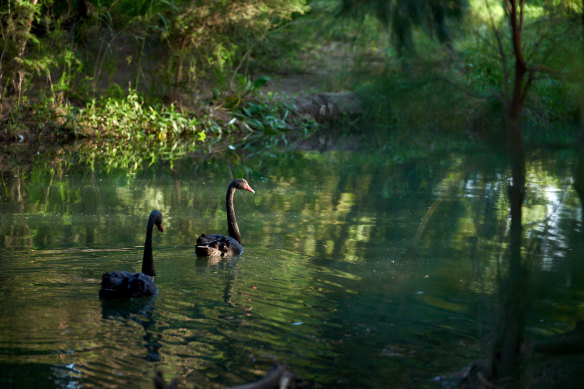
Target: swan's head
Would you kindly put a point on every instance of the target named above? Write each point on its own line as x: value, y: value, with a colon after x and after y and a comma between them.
x: 156, y: 218
x: 240, y: 183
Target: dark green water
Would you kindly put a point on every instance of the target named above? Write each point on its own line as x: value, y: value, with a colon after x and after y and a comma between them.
x: 357, y: 272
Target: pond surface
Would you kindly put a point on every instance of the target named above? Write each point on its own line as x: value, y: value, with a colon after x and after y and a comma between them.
x: 358, y: 271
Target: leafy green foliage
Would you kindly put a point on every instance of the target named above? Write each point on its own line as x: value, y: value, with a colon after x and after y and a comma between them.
x: 76, y: 46
x: 270, y: 119
x: 264, y: 118
x: 464, y: 93
x: 244, y: 88
x: 56, y: 57
x: 66, y: 66
x: 130, y: 133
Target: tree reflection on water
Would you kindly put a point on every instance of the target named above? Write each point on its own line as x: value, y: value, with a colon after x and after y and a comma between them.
x: 407, y: 264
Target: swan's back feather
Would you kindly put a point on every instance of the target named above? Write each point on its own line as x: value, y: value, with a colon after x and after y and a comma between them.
x: 123, y: 285
x: 217, y: 245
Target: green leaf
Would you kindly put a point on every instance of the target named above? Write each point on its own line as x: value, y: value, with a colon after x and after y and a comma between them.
x: 261, y: 81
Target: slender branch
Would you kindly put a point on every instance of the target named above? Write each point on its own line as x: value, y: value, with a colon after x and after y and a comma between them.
x: 501, y: 52
x: 243, y: 59
x: 531, y: 76
x: 104, y: 50
x: 537, y: 68
x: 521, y: 19
x: 508, y: 7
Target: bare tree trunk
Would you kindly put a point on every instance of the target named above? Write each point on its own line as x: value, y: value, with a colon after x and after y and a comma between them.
x: 516, y: 103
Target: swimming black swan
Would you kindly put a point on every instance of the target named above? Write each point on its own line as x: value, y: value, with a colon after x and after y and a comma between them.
x: 221, y: 245
x: 123, y: 284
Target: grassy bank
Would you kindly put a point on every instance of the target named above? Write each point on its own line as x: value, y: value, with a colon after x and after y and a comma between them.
x: 131, y: 133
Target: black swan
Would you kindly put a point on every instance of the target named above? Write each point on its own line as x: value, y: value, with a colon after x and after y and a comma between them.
x: 221, y: 245
x: 124, y: 284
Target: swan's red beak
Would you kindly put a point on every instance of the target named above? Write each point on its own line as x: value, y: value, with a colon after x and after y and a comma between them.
x: 159, y: 226
x: 249, y: 188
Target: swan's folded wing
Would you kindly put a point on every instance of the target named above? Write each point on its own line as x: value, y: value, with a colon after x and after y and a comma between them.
x: 217, y: 245
x: 123, y: 284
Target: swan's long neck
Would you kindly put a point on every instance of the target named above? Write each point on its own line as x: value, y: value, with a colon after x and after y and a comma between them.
x: 231, y: 222
x: 148, y: 259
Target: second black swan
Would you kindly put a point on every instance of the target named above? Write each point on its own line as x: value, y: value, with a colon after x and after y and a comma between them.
x: 123, y: 284
x: 222, y: 245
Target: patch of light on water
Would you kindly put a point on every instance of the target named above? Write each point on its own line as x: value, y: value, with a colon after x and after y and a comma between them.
x: 553, y: 245
x: 67, y: 376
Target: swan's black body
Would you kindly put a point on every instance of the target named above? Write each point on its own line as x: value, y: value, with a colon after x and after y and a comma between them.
x: 222, y: 245
x: 123, y: 284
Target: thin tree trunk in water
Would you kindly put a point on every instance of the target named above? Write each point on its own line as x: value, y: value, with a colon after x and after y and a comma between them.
x: 505, y: 359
